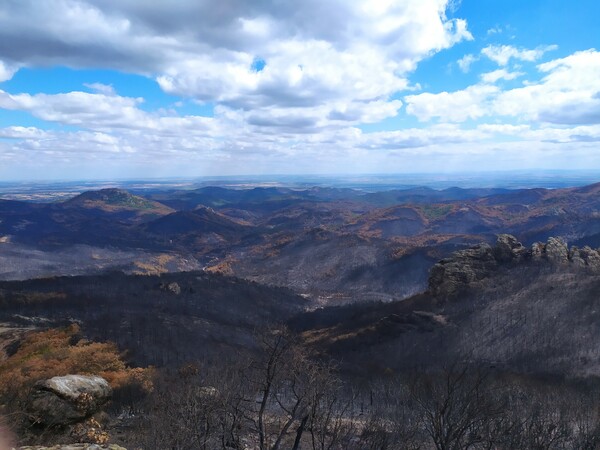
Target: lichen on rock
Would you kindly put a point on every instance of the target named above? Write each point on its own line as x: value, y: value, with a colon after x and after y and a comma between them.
x: 68, y: 399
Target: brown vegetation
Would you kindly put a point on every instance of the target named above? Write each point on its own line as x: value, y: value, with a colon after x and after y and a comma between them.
x: 57, y: 352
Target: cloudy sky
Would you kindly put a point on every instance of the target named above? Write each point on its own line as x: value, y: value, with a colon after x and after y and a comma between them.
x: 132, y: 88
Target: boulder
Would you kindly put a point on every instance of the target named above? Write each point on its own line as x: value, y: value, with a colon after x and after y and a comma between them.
x: 508, y: 248
x: 68, y: 399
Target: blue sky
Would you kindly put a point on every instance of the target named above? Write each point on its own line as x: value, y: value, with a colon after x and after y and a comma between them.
x: 130, y: 89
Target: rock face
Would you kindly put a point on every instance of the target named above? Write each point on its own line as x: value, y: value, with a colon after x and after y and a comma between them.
x: 557, y: 251
x: 451, y: 275
x: 68, y: 399
x: 508, y: 248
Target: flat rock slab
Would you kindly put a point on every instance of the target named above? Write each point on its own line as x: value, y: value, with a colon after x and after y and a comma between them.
x: 72, y: 386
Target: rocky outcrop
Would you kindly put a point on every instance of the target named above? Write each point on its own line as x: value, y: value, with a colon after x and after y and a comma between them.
x: 66, y: 400
x: 584, y: 257
x: 557, y: 251
x: 464, y: 267
x: 451, y: 275
x: 173, y: 287
x: 508, y: 248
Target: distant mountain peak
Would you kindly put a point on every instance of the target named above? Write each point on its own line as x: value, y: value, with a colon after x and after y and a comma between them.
x: 114, y: 198
x: 106, y: 195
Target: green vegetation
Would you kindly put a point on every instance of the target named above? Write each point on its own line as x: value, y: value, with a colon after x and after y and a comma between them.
x: 128, y: 200
x: 433, y: 212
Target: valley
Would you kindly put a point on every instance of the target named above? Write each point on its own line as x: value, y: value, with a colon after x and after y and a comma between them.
x: 322, y: 242
x: 182, y: 300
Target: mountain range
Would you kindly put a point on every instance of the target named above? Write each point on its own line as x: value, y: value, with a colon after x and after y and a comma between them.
x: 334, y: 244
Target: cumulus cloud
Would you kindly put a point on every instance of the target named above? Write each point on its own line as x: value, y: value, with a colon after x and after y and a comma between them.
x: 470, y: 103
x: 316, y: 53
x: 500, y: 74
x: 442, y: 134
x: 291, y: 85
x: 465, y: 62
x: 7, y: 71
x: 77, y: 108
x: 502, y: 54
x: 567, y: 93
x: 16, y: 132
x: 108, y: 113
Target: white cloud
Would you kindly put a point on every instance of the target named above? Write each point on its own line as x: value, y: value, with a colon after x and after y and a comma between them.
x: 7, y: 71
x: 568, y: 93
x: 502, y: 54
x: 317, y: 53
x: 107, y: 114
x: 470, y: 103
x: 16, y: 132
x: 105, y: 89
x: 330, y: 67
x: 465, y: 62
x: 77, y: 108
x: 413, y: 138
x: 500, y: 74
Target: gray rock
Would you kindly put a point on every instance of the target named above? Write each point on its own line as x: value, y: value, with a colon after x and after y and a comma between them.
x: 591, y: 258
x: 575, y: 257
x: 450, y: 275
x: 68, y: 399
x: 557, y: 251
x: 174, y: 288
x: 508, y: 248
x: 537, y: 251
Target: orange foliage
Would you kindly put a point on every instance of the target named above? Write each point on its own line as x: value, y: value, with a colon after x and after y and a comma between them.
x: 223, y: 267
x: 58, y: 352
x: 90, y: 431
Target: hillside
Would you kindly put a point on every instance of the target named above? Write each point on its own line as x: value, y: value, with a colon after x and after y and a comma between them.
x: 160, y: 320
x: 482, y: 304
x: 527, y: 310
x: 328, y: 243
x: 505, y: 332
x: 118, y: 202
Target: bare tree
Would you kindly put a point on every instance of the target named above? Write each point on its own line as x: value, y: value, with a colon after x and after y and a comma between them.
x: 284, y: 379
x: 331, y: 423
x: 455, y: 407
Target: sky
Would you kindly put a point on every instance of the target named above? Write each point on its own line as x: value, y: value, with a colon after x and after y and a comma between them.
x: 115, y: 89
